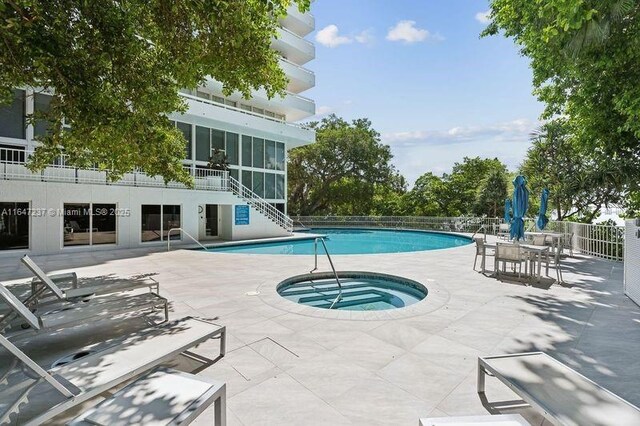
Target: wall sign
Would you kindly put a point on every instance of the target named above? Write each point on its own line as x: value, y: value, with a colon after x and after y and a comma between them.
x: 242, y: 215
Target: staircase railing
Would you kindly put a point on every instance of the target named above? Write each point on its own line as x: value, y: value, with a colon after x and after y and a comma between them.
x: 260, y: 204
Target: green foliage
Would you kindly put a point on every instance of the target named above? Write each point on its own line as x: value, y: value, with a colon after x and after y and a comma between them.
x: 116, y: 68
x: 475, y: 186
x: 585, y: 57
x: 341, y: 172
x: 218, y: 160
x: 579, y: 184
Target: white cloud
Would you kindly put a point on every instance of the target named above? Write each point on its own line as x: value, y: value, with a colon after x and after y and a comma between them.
x: 418, y: 152
x: 407, y: 32
x: 324, y: 110
x: 329, y: 36
x: 365, y: 37
x: 483, y: 17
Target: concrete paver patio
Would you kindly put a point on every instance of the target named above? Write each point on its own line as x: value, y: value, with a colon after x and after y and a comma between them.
x: 287, y: 366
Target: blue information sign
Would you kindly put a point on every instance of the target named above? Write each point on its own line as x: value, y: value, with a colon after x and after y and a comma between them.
x: 242, y: 215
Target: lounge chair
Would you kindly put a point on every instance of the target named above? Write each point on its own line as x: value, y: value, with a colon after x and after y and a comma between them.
x: 486, y: 420
x: 561, y: 394
x: 52, y: 392
x: 43, y: 281
x: 54, y: 317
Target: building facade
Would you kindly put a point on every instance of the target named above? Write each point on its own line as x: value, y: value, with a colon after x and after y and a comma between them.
x: 63, y: 209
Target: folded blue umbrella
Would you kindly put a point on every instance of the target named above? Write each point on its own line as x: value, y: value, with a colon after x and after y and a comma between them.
x: 542, y: 214
x: 520, y: 206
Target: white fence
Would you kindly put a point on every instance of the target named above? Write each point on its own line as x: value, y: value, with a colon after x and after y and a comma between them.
x: 604, y: 241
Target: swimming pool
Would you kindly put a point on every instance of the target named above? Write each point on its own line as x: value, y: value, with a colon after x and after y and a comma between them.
x: 361, y: 291
x: 356, y: 241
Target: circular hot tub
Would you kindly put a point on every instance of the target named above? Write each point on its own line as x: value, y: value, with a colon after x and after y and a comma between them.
x: 360, y: 291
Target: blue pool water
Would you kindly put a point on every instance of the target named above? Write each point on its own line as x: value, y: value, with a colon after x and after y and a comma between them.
x: 356, y: 241
x: 361, y: 291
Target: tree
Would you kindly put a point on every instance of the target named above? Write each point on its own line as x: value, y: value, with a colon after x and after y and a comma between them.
x: 492, y: 193
x: 578, y: 183
x: 339, y: 173
x: 425, y: 198
x: 585, y: 57
x: 116, y: 68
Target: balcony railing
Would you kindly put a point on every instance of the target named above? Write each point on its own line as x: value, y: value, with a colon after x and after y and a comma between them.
x: 13, y: 167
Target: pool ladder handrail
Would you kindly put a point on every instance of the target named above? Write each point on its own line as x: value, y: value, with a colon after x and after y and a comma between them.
x: 482, y: 228
x: 184, y: 232
x: 335, y: 274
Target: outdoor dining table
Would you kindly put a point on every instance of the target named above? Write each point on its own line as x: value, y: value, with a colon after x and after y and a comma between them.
x: 537, y: 251
x: 556, y: 240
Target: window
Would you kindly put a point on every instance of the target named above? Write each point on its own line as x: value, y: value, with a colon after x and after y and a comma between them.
x: 217, y: 140
x: 157, y: 220
x: 86, y: 224
x: 234, y: 173
x: 230, y: 103
x: 269, y: 185
x: 245, y: 107
x: 280, y: 187
x: 103, y: 227
x: 258, y: 184
x: 258, y: 110
x: 218, y: 99
x: 232, y: 148
x: 41, y: 104
x: 203, y: 143
x: 246, y: 151
x: 12, y: 117
x: 269, y: 114
x: 258, y: 153
x: 185, y: 128
x: 77, y: 225
x: 170, y: 219
x: 279, y: 156
x: 151, y: 224
x: 246, y: 178
x: 280, y: 208
x: 270, y: 155
x: 14, y: 226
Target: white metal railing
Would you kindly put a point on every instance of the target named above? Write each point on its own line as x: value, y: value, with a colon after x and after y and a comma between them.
x: 184, y: 232
x: 288, y: 31
x: 600, y: 240
x: 300, y: 67
x: 333, y: 268
x: 259, y: 204
x: 13, y: 166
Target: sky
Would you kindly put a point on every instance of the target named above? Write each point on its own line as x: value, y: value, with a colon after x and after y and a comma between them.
x: 430, y: 85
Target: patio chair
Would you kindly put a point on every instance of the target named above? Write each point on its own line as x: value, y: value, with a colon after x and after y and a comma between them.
x: 481, y: 250
x: 561, y: 394
x: 44, y: 394
x: 503, y: 231
x: 512, y: 254
x: 42, y: 282
x: 54, y: 317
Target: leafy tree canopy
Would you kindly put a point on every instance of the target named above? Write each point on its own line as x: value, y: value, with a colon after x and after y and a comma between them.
x: 585, y: 56
x: 339, y: 173
x: 117, y: 66
x: 579, y: 184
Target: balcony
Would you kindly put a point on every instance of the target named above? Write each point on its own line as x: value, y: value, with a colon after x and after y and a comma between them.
x: 300, y: 79
x: 293, y: 106
x: 300, y: 23
x: 13, y: 167
x: 293, y: 47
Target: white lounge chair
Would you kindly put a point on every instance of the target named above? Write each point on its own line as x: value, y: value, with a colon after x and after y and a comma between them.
x: 562, y: 395
x: 43, y: 281
x: 54, y: 317
x: 52, y: 392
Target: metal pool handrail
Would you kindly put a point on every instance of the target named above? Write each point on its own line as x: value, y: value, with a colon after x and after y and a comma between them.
x: 335, y: 274
x: 184, y: 232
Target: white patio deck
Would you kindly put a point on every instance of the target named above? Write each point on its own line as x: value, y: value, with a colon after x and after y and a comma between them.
x: 288, y: 368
